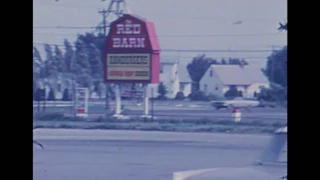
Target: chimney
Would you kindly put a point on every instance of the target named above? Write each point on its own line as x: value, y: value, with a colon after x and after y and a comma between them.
x: 241, y: 64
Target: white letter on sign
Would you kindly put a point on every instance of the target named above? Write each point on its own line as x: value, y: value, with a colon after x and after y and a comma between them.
x: 116, y: 42
x: 128, y: 29
x: 136, y: 29
x: 124, y: 43
x: 132, y: 42
x: 120, y: 28
x: 140, y: 43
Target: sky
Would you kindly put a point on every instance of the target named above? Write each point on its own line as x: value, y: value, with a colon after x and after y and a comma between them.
x: 180, y: 25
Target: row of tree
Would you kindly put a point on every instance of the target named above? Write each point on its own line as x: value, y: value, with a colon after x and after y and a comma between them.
x: 83, y: 60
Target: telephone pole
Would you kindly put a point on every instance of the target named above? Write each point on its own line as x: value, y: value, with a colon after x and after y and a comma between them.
x: 113, y: 8
x: 104, y: 23
x: 103, y: 26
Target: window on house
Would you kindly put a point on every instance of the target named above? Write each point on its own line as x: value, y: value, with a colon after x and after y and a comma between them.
x: 211, y: 73
x: 59, y: 87
x: 205, y: 88
x: 182, y: 86
x: 161, y: 68
x: 261, y: 87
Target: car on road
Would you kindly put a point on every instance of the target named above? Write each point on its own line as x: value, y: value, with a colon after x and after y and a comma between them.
x: 272, y: 165
x: 237, y: 102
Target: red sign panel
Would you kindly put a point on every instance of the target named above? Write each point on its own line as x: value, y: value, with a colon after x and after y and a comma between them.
x: 132, y: 53
x: 129, y: 33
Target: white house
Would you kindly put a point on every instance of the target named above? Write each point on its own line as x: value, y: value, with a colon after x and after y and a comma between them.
x: 175, y: 77
x: 248, y: 79
x: 185, y: 82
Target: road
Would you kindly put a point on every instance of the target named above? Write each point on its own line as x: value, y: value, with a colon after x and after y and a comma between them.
x: 136, y: 155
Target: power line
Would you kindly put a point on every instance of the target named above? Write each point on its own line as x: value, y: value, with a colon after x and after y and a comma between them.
x: 63, y: 27
x: 191, y: 57
x: 185, y: 50
x: 183, y: 16
x: 187, y: 35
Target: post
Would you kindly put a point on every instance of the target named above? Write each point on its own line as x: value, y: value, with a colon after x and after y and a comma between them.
x: 236, y: 114
x: 118, y: 100
x: 74, y: 98
x: 107, y: 97
x: 44, y: 99
x: 146, y: 101
x: 152, y: 104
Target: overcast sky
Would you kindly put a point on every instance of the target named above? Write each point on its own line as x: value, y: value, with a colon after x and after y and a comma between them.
x: 207, y: 24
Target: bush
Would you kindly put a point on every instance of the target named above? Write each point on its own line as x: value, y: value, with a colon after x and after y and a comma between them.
x: 49, y: 116
x: 212, y: 97
x: 65, y: 96
x: 51, y: 96
x: 197, y: 96
x: 180, y: 96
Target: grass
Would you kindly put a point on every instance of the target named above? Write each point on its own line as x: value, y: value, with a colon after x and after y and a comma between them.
x: 58, y: 120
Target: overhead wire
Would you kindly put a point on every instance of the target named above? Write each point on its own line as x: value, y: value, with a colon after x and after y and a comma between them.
x: 182, y: 50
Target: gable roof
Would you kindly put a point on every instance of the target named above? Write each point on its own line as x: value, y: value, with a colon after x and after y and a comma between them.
x: 235, y: 75
x: 183, y: 73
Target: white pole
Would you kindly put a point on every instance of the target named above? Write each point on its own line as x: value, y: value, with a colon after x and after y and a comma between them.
x: 118, y: 99
x: 86, y: 101
x: 146, y: 101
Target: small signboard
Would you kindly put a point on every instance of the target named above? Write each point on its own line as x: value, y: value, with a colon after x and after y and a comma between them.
x: 81, y: 102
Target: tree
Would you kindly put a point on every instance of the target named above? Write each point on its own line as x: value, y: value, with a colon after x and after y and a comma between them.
x: 276, y: 68
x: 198, y: 67
x: 65, y: 96
x: 59, y: 60
x: 50, y: 65
x: 37, y: 68
x: 51, y: 96
x: 223, y: 61
x: 162, y: 91
x: 180, y: 96
x: 232, y: 92
x: 82, y: 68
x: 95, y: 62
x: 82, y: 59
x: 68, y: 56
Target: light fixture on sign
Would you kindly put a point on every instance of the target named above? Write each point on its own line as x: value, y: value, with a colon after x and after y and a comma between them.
x: 128, y: 21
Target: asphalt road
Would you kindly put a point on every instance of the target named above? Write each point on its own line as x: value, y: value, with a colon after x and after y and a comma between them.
x: 136, y: 155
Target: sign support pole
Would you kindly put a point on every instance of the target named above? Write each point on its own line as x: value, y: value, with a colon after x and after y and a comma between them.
x: 146, y: 100
x: 118, y: 100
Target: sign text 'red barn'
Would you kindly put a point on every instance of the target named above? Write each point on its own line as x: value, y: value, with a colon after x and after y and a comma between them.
x: 132, y: 51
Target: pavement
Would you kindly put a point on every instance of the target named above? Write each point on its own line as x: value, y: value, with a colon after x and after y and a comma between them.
x: 136, y: 155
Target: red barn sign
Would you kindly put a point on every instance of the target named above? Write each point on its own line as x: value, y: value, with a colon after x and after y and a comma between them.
x: 132, y: 53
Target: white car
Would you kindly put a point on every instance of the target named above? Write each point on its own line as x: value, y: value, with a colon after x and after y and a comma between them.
x: 237, y: 102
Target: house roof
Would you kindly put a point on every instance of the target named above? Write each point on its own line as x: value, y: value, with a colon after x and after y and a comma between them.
x: 183, y: 73
x: 235, y: 75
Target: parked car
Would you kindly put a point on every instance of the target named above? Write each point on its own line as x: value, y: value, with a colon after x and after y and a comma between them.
x: 271, y: 165
x: 237, y: 102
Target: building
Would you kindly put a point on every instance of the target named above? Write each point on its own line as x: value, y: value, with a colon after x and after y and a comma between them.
x: 185, y: 82
x: 175, y: 78
x: 219, y: 78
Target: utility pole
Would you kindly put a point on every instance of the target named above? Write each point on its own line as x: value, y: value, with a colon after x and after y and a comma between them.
x: 272, y: 66
x: 113, y: 7
x: 104, y: 23
x: 104, y: 29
